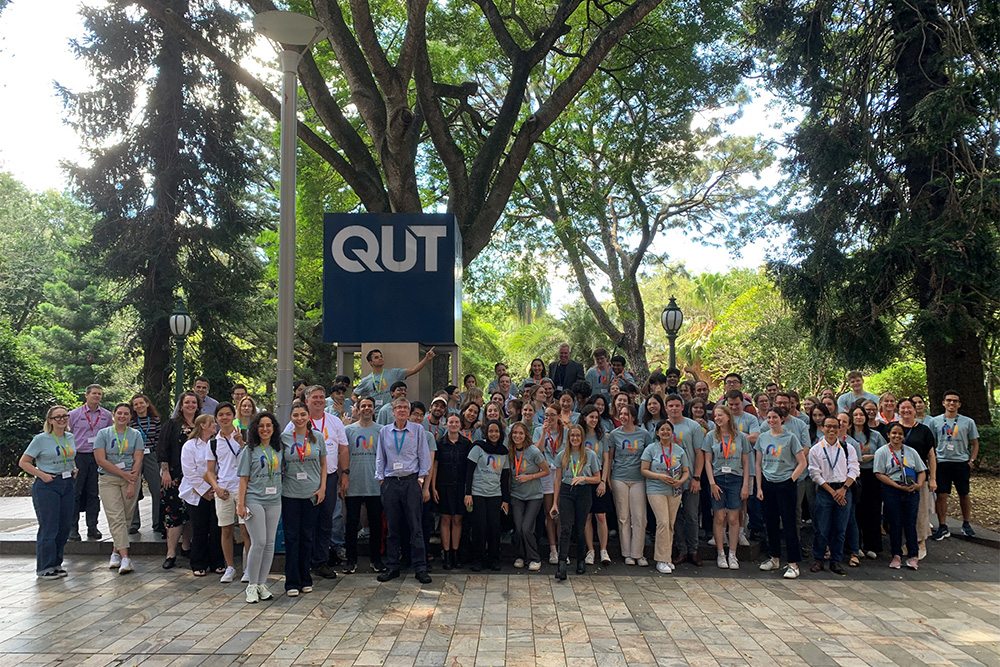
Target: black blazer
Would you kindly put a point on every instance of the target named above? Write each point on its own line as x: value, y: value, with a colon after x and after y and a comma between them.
x: 574, y: 373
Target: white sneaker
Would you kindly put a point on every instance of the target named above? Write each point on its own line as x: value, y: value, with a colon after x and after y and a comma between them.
x: 292, y: 592
x: 791, y: 572
x: 307, y: 589
x: 630, y: 561
x: 115, y: 562
x: 263, y: 593
x: 663, y: 568
x: 722, y: 562
x: 553, y: 557
x: 734, y: 564
x: 227, y: 577
x: 642, y: 562
x: 519, y: 563
x: 672, y: 567
x: 589, y: 558
x: 769, y: 565
x: 245, y: 578
x: 605, y: 557
x: 711, y: 541
x: 252, y: 594
x: 871, y: 554
x: 126, y: 566
x: 534, y: 566
x: 744, y: 542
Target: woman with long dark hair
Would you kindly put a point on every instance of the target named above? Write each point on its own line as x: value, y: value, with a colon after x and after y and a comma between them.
x: 487, y: 494
x: 628, y: 484
x: 146, y: 420
x: 259, y: 501
x: 902, y: 472
x: 450, y: 466
x: 174, y: 433
x: 303, y: 487
x: 595, y: 438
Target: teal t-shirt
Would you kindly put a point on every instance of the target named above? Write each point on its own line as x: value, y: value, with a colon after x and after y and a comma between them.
x: 666, y: 461
x: 53, y: 455
x: 361, y: 443
x: 377, y: 385
x: 118, y: 448
x: 527, y: 461
x: 901, y: 467
x: 778, y: 454
x: 953, y: 436
x: 587, y: 468
x: 689, y: 434
x: 628, y: 449
x: 262, y: 468
x: 746, y: 424
x: 489, y: 469
x: 591, y: 442
x: 868, y: 446
x: 550, y: 443
x: 302, y: 472
x: 735, y: 447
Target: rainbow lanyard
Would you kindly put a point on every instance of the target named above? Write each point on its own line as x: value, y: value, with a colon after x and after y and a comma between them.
x: 302, y: 450
x: 575, y: 464
x: 950, y: 431
x: 63, y: 449
x: 122, y: 443
x: 378, y: 385
x: 269, y: 460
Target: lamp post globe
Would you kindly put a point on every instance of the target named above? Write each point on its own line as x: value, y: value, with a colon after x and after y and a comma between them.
x: 671, y: 319
x: 180, y: 326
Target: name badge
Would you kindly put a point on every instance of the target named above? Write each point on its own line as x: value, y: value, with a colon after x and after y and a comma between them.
x: 950, y: 447
x: 726, y: 470
x: 67, y: 474
x: 379, y: 402
x: 146, y: 450
x: 559, y: 387
x: 301, y: 475
x: 270, y: 490
x: 398, y: 465
x: 121, y: 465
x: 92, y: 439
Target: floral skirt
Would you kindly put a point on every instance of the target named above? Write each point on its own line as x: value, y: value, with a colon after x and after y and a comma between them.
x: 174, y: 512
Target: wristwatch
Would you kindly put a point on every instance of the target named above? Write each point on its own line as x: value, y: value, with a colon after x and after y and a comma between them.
x: 346, y: 471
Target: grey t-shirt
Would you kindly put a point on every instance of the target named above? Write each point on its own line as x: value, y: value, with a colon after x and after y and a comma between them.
x: 377, y: 385
x: 591, y: 442
x: 892, y: 464
x: 953, y: 436
x: 628, y: 449
x: 666, y: 461
x: 302, y: 471
x: 778, y: 454
x: 868, y: 446
x: 53, y: 455
x: 587, y: 468
x: 118, y: 447
x: 489, y: 469
x: 361, y: 441
x: 735, y: 447
x: 526, y: 462
x: 262, y: 468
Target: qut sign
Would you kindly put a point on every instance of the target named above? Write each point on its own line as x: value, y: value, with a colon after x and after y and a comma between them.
x: 394, y: 278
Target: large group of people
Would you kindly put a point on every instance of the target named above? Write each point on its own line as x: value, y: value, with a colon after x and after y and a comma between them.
x: 548, y: 458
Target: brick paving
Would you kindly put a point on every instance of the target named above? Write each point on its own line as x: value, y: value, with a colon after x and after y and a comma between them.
x: 945, y: 614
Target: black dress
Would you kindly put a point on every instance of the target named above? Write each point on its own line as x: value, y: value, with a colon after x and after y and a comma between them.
x: 452, y: 461
x: 173, y: 435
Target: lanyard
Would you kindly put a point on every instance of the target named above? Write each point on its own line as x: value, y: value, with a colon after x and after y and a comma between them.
x: 553, y: 443
x: 302, y: 450
x: 322, y: 426
x: 269, y: 460
x: 122, y: 443
x: 575, y: 464
x: 64, y: 448
x: 92, y: 424
x: 604, y: 379
x: 949, y: 431
x: 467, y: 432
x: 228, y: 444
x: 864, y: 445
x: 727, y: 448
x: 144, y: 430
x: 668, y: 460
x: 399, y: 443
x: 518, y: 462
x: 895, y: 460
x: 836, y: 459
x: 434, y: 429
x: 379, y: 386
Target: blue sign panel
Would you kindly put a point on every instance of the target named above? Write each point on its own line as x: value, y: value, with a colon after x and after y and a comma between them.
x: 392, y: 278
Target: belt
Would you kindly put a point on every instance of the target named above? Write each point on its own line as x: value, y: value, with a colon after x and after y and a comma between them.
x: 835, y: 485
x: 403, y: 478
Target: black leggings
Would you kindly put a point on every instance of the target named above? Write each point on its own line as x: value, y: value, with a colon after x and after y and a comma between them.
x: 486, y: 529
x: 351, y: 522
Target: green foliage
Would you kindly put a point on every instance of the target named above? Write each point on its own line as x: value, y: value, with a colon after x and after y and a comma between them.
x: 27, y: 391
x: 989, y: 448
x: 902, y: 378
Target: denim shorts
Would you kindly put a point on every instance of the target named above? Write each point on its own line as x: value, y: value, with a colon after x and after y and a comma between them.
x: 731, y: 486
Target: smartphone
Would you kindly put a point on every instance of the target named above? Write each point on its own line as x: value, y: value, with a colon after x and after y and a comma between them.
x: 314, y: 499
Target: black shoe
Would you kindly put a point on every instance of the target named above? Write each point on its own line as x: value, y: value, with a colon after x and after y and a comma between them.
x: 133, y: 530
x: 169, y: 562
x: 350, y: 568
x: 325, y: 571
x: 74, y: 536
x: 446, y: 560
x: 93, y: 534
x: 496, y: 567
x: 378, y: 566
x: 837, y: 568
x: 423, y: 577
x: 476, y: 567
x: 561, y: 570
x: 185, y: 552
x: 581, y: 567
x: 389, y: 575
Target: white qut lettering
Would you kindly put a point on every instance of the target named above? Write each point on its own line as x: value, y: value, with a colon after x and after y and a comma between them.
x: 430, y: 234
x: 409, y: 251
x: 368, y: 255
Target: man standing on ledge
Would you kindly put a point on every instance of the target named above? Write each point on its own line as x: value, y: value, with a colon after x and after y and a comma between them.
x: 402, y: 462
x: 565, y: 371
x: 377, y: 383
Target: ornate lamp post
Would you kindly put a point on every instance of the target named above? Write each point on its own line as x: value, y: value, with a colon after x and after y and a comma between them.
x: 672, y: 318
x: 180, y: 327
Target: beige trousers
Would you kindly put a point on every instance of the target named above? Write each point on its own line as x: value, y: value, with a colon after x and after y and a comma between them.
x: 665, y: 509
x: 117, y: 508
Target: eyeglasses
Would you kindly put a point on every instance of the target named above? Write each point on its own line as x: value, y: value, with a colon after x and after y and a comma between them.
x: 59, y: 417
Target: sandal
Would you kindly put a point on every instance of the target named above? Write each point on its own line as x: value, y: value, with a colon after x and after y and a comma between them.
x: 199, y: 573
x: 854, y: 561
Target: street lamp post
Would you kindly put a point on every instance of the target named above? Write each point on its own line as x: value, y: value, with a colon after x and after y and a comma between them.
x: 295, y: 34
x: 672, y: 318
x: 180, y: 327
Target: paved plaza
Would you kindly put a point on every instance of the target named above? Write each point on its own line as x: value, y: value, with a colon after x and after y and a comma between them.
x: 947, y: 613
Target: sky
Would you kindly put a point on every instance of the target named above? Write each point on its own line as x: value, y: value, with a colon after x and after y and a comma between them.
x: 34, y: 53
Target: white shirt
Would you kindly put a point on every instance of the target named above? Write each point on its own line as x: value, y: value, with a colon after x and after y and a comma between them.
x: 227, y: 456
x: 827, y: 463
x: 194, y: 463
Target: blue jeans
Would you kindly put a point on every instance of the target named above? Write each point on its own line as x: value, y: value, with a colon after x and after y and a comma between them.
x: 298, y: 516
x: 901, y: 510
x: 55, y: 508
x: 852, y: 539
x: 830, y: 525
